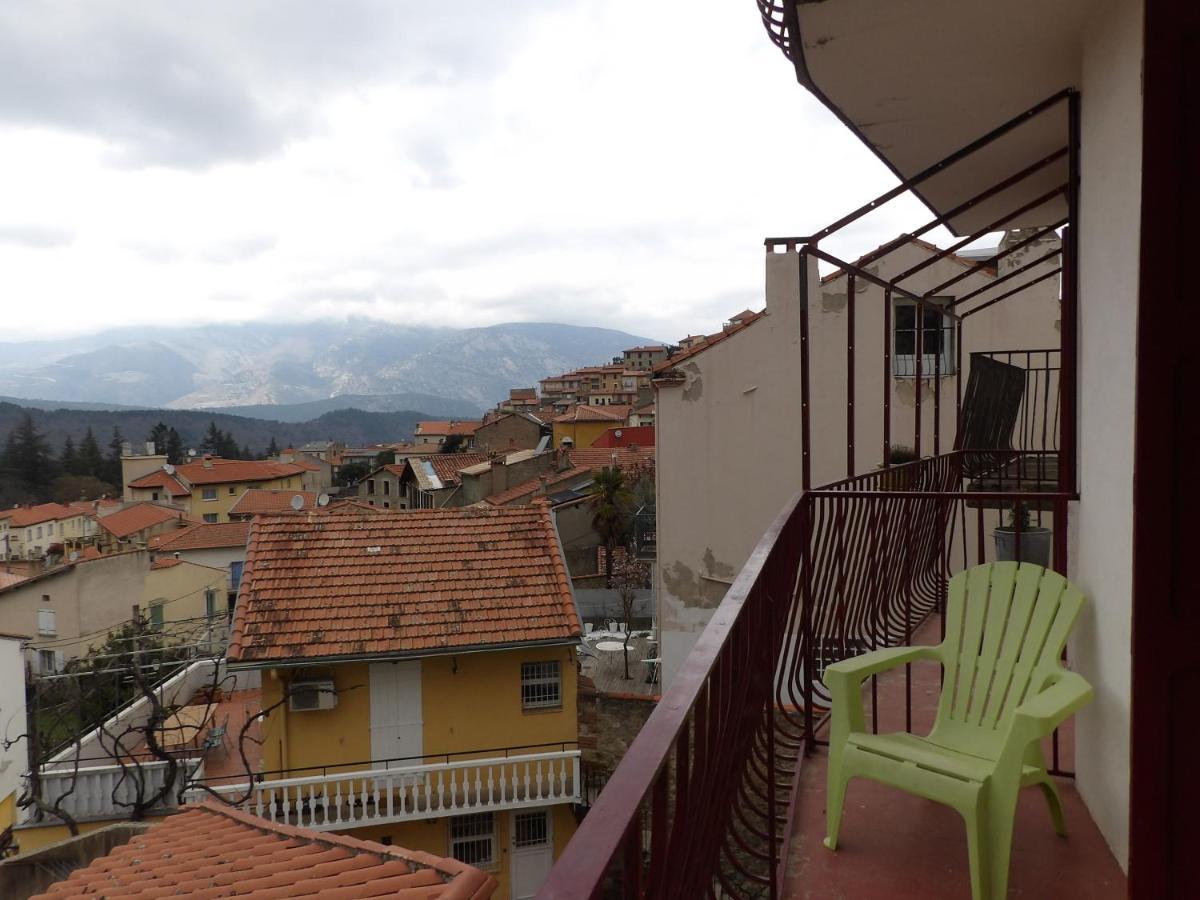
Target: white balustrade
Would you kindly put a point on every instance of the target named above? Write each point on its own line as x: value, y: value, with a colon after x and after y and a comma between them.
x: 106, y: 792
x: 349, y: 799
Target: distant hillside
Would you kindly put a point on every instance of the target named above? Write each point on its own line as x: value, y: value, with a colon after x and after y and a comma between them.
x: 436, y: 407
x: 260, y: 364
x: 350, y: 426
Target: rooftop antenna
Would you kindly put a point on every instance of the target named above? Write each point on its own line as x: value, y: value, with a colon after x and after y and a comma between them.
x: 297, y: 502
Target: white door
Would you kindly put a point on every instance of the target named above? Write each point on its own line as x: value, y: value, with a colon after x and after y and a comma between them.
x: 532, y: 851
x: 396, y: 720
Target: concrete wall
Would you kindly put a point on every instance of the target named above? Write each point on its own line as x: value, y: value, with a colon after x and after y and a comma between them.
x: 718, y: 490
x: 88, y: 598
x: 508, y: 433
x: 1102, y: 539
x: 12, y: 725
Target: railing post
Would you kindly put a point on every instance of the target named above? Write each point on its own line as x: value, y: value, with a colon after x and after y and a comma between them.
x: 805, y: 441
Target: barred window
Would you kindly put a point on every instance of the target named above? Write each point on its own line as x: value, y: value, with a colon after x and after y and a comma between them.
x: 473, y: 839
x: 937, y: 339
x: 531, y: 829
x: 541, y: 684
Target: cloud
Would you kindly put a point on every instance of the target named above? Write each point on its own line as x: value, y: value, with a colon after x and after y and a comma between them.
x: 238, y: 249
x: 37, y: 237
x: 198, y: 85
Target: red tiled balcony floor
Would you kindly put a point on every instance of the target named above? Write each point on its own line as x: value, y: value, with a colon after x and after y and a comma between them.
x: 896, y: 845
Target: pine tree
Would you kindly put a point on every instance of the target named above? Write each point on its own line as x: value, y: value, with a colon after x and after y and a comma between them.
x: 174, y: 447
x: 158, y: 435
x: 90, y: 462
x: 27, y: 455
x: 213, y: 439
x: 68, y: 457
x: 229, y: 446
x: 112, y: 462
x: 272, y: 449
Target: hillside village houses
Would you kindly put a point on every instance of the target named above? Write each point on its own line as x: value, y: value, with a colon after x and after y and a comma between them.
x: 208, y: 487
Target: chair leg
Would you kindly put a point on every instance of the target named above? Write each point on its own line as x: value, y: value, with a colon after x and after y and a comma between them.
x: 835, y: 798
x: 978, y: 848
x: 1050, y: 792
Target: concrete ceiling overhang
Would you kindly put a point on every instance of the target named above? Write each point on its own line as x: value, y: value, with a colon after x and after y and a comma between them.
x: 919, y: 79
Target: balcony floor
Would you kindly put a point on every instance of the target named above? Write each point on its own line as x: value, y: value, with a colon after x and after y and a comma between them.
x: 894, y: 845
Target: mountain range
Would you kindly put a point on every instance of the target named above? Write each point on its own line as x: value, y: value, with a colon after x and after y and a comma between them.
x: 298, y: 371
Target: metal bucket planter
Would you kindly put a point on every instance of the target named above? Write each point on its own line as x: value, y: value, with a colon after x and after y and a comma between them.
x: 1035, y: 545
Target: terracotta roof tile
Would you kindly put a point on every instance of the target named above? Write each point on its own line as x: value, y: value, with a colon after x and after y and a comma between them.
x: 255, y: 501
x: 138, y: 517
x: 446, y: 428
x: 624, y: 458
x: 586, y: 413
x: 525, y: 489
x: 161, y: 479
x: 215, y: 851
x: 43, y: 512
x: 222, y: 471
x: 203, y: 537
x: 446, y: 466
x: 417, y: 582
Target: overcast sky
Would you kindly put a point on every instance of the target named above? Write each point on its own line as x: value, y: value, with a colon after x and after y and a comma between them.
x: 611, y: 162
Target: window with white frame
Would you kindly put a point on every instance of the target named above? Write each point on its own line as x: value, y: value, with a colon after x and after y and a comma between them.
x: 46, y: 623
x: 937, y: 339
x: 208, y: 493
x: 531, y: 829
x: 473, y: 839
x: 50, y: 661
x: 541, y: 684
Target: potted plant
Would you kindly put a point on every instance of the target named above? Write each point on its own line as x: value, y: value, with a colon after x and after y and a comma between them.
x: 893, y: 479
x: 1035, y: 540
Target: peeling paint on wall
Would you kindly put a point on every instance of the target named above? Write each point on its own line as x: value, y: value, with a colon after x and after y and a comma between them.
x: 906, y: 389
x: 693, y: 592
x: 714, y: 568
x: 832, y: 301
x: 693, y: 383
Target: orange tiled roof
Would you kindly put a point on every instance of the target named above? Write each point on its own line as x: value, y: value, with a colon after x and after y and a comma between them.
x: 222, y: 471
x: 596, y: 458
x: 745, y: 320
x: 256, y: 500
x: 526, y: 488
x: 584, y: 413
x: 522, y: 394
x: 36, y: 515
x: 446, y: 465
x: 215, y: 851
x: 161, y: 479
x: 446, y: 428
x: 135, y: 518
x: 88, y: 552
x: 402, y: 583
x: 8, y: 579
x: 92, y: 506
x: 203, y: 536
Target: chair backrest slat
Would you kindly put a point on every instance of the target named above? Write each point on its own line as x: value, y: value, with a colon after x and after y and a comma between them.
x: 1006, y: 626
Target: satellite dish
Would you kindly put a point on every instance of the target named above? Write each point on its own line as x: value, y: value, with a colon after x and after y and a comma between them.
x: 168, y: 468
x: 322, y: 500
x: 297, y: 502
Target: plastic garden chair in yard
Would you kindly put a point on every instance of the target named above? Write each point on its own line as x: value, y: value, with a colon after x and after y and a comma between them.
x: 1003, y: 690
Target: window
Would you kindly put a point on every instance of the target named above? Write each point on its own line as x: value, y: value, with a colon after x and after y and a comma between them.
x: 235, y: 573
x: 154, y: 495
x: 473, y: 839
x: 39, y: 531
x: 937, y: 340
x: 210, y: 518
x: 156, y: 613
x: 541, y: 684
x: 46, y: 623
x: 370, y: 485
x: 49, y: 661
x: 387, y: 487
x: 45, y: 598
x: 387, y: 505
x: 210, y: 603
x: 232, y: 491
x: 209, y: 493
x: 531, y: 829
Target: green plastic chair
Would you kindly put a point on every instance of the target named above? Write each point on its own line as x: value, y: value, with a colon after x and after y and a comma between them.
x: 1004, y: 689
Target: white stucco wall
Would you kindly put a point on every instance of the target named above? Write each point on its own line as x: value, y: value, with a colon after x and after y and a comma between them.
x: 1102, y: 545
x: 12, y: 714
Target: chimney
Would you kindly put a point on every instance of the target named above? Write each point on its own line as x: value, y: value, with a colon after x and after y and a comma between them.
x: 150, y: 448
x: 126, y: 448
x: 208, y: 460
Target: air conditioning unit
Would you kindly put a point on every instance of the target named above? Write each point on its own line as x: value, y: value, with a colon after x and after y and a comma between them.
x: 307, y: 696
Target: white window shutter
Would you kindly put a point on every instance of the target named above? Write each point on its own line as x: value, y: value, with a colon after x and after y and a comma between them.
x: 46, y: 622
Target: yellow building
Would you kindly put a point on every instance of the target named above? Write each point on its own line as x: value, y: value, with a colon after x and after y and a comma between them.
x: 420, y: 673
x: 209, y: 487
x: 581, y: 425
x: 188, y: 601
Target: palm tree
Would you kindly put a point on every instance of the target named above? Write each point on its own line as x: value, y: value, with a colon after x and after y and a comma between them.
x: 613, y: 518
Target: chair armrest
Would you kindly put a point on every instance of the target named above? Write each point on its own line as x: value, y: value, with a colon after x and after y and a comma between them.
x: 1039, y: 715
x: 858, y: 668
